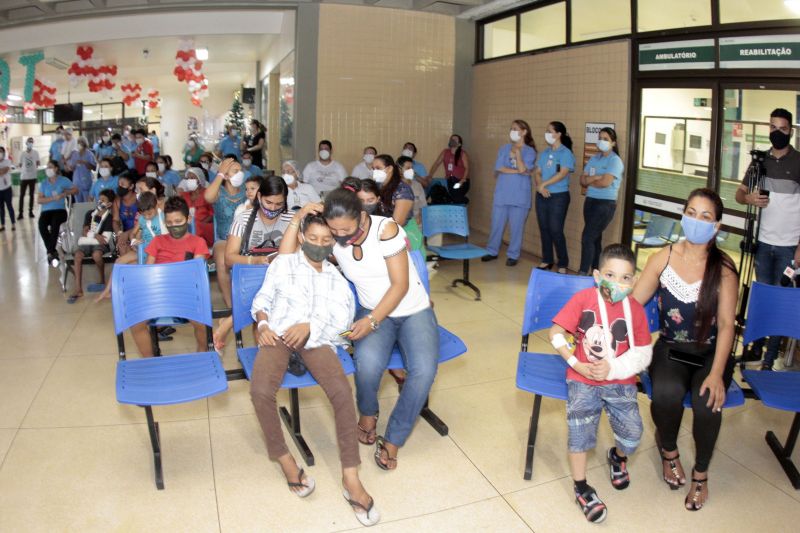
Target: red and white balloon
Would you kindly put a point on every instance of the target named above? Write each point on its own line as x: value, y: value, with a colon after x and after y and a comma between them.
x: 131, y: 93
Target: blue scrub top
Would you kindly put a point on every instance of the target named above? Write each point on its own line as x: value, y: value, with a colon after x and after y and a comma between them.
x: 170, y: 177
x: 419, y: 169
x: 549, y: 162
x: 102, y: 151
x: 602, y: 164
x: 130, y: 147
x: 154, y: 142
x: 254, y: 170
x: 55, y: 150
x: 49, y: 190
x: 513, y: 189
x: 229, y: 145
x: 112, y: 182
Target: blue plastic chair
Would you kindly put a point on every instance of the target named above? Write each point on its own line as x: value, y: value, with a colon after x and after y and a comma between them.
x: 143, y: 292
x: 246, y: 280
x: 660, y: 231
x: 438, y: 219
x: 775, y: 310
x: 539, y: 373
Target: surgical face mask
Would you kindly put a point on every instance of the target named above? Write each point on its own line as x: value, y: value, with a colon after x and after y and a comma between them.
x: 247, y: 162
x: 288, y: 178
x: 176, y: 232
x: 162, y: 167
x: 549, y: 138
x: 346, y: 240
x: 189, y: 185
x: 369, y: 158
x: 324, y: 155
x: 271, y: 213
x: 104, y: 172
x: 316, y: 252
x: 379, y: 175
x: 139, y: 141
x: 205, y: 166
x: 408, y: 173
x: 48, y: 171
x: 408, y: 153
x: 515, y: 136
x: 613, y: 291
x: 370, y: 208
x: 151, y: 174
x: 698, y: 231
x: 603, y: 145
x: 234, y: 133
x: 28, y: 145
x: 779, y: 139
x: 106, y: 138
x: 237, y: 179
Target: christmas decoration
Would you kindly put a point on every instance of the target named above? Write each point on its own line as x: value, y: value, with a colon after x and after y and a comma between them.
x: 236, y: 118
x: 29, y: 110
x: 29, y: 62
x: 100, y: 77
x: 189, y: 69
x: 44, y: 93
x: 132, y: 93
x: 153, y: 98
x: 5, y: 80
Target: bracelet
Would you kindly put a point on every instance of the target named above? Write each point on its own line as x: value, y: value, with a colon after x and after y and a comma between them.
x: 294, y: 224
x: 572, y: 361
x: 374, y: 324
x: 260, y: 323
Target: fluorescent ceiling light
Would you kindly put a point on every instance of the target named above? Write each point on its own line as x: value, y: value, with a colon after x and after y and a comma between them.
x: 793, y: 5
x: 14, y: 97
x: 88, y: 111
x: 201, y: 53
x: 287, y: 81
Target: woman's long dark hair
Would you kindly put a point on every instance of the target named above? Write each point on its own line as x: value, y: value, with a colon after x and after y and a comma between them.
x: 389, y: 187
x: 274, y: 186
x: 613, y: 134
x: 566, y: 140
x: 528, y: 135
x: 457, y: 155
x: 706, y: 309
x: 342, y: 202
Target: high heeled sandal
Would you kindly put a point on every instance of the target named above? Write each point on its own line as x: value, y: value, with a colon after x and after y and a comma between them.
x: 691, y: 502
x: 305, y: 488
x: 673, y: 466
x: 370, y: 435
x: 369, y: 515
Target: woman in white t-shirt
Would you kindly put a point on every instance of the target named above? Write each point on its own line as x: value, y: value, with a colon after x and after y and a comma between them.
x: 363, y: 170
x: 394, y: 308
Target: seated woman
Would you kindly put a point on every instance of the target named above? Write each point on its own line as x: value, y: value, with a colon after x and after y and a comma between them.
x: 395, y: 309
x: 168, y: 177
x: 697, y: 288
x: 95, y: 243
x: 302, y: 306
x: 300, y: 193
x: 192, y: 188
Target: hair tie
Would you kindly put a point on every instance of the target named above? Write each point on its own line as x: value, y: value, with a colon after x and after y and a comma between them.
x: 349, y: 188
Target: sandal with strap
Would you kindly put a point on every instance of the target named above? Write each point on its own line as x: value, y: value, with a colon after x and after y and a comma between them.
x: 673, y: 466
x: 369, y: 515
x: 305, y: 488
x: 380, y: 447
x: 692, y: 499
x: 592, y: 506
x: 369, y: 435
x: 620, y: 479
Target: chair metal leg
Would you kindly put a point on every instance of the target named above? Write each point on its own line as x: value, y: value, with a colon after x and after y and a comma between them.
x: 155, y: 441
x: 154, y: 341
x: 534, y: 425
x: 292, y: 421
x: 431, y: 418
x: 784, y: 452
x: 466, y: 282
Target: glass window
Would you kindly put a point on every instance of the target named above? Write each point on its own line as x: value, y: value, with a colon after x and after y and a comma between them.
x: 287, y: 107
x: 543, y: 27
x: 752, y: 10
x: 594, y: 20
x: 658, y: 15
x: 500, y: 38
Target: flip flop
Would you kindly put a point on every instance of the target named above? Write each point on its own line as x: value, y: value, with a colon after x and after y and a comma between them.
x: 369, y: 515
x: 96, y: 287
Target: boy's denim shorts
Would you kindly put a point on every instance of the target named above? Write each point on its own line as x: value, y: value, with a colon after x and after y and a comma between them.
x: 584, y: 406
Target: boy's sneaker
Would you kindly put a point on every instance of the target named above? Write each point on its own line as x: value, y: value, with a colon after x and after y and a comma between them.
x: 618, y: 470
x: 593, y: 507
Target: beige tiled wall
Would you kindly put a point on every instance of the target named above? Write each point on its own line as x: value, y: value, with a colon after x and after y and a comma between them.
x: 385, y: 77
x: 575, y: 86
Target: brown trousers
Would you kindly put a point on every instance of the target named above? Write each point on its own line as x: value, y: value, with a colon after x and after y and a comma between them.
x: 268, y: 371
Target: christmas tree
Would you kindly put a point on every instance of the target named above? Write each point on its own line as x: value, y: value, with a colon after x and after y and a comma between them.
x: 236, y: 117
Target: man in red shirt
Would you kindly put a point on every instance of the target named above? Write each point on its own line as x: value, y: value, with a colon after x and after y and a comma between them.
x: 143, y: 153
x: 178, y: 245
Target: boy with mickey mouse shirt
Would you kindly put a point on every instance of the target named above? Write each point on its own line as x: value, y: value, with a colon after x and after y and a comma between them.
x: 613, y: 345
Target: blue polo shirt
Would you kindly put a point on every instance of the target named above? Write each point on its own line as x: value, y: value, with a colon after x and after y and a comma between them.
x: 231, y: 145
x: 48, y: 190
x: 419, y: 168
x: 55, y: 150
x: 103, y: 150
x: 550, y: 161
x: 130, y: 147
x: 109, y: 183
x: 513, y: 189
x: 254, y: 170
x: 602, y: 164
x: 170, y: 177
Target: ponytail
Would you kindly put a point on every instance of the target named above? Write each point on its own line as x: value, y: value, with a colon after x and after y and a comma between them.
x: 566, y: 140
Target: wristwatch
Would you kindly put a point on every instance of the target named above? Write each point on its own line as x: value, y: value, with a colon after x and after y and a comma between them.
x: 374, y: 324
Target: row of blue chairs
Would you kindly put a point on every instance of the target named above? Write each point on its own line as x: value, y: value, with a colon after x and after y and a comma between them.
x: 772, y: 311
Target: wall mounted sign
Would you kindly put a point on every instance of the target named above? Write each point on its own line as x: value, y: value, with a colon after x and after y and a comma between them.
x: 677, y: 55
x: 761, y: 51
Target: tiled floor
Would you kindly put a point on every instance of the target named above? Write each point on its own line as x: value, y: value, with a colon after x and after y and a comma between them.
x: 72, y: 459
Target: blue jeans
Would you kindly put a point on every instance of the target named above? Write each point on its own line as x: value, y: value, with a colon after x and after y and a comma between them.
x: 551, y: 214
x: 585, y: 403
x: 597, y: 215
x: 417, y: 336
x: 770, y: 264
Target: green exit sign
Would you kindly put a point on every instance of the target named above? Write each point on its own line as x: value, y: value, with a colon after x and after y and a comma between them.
x: 701, y: 102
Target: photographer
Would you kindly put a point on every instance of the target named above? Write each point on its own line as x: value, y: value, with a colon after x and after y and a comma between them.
x: 778, y: 197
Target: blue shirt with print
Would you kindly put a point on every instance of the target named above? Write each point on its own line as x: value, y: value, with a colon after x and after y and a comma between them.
x: 551, y: 161
x: 50, y: 189
x: 602, y: 164
x: 513, y: 189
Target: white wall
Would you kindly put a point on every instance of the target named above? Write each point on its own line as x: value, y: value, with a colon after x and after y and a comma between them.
x: 280, y: 47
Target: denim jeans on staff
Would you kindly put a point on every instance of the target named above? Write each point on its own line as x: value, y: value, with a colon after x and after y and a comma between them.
x: 551, y: 213
x: 771, y: 261
x: 597, y: 215
x: 417, y: 336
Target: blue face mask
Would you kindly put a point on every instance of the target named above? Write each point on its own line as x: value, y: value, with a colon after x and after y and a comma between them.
x: 603, y: 145
x: 698, y: 231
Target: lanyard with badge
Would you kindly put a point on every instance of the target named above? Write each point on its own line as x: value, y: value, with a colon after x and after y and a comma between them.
x: 626, y: 309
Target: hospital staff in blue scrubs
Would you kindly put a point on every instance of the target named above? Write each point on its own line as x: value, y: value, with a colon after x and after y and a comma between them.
x: 553, y: 168
x: 602, y: 176
x: 230, y: 144
x: 512, y: 193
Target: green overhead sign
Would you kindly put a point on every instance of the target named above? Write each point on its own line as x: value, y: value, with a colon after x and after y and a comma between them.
x: 677, y: 55
x: 775, y: 51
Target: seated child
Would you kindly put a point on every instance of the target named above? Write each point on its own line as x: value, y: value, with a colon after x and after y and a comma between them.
x: 97, y: 232
x: 613, y: 345
x: 177, y: 245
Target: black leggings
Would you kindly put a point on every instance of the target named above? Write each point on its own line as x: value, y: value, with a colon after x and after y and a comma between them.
x: 30, y: 186
x: 671, y: 381
x: 49, y: 223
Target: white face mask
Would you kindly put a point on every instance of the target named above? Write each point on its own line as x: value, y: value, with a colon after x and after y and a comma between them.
x: 247, y: 162
x: 188, y: 185
x: 162, y: 167
x: 603, y: 145
x: 288, y: 178
x: 234, y: 133
x: 104, y: 172
x: 50, y: 172
x: 408, y: 153
x: 515, y: 136
x: 324, y: 155
x: 237, y: 179
x: 379, y: 175
x: 151, y: 174
x: 369, y: 158
x: 205, y: 166
x: 140, y: 141
x: 28, y: 145
x: 106, y: 138
x: 549, y: 138
x: 408, y: 173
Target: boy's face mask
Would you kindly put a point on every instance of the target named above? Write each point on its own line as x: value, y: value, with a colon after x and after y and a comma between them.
x: 176, y: 232
x: 613, y: 291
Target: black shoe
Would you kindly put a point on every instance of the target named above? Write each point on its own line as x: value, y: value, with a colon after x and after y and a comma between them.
x: 19, y: 217
x: 511, y: 262
x: 488, y: 257
x: 766, y: 368
x: 751, y: 354
x: 3, y: 228
x: 31, y: 215
x: 545, y: 266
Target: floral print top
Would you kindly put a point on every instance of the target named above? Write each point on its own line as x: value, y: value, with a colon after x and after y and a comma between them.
x: 677, y: 302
